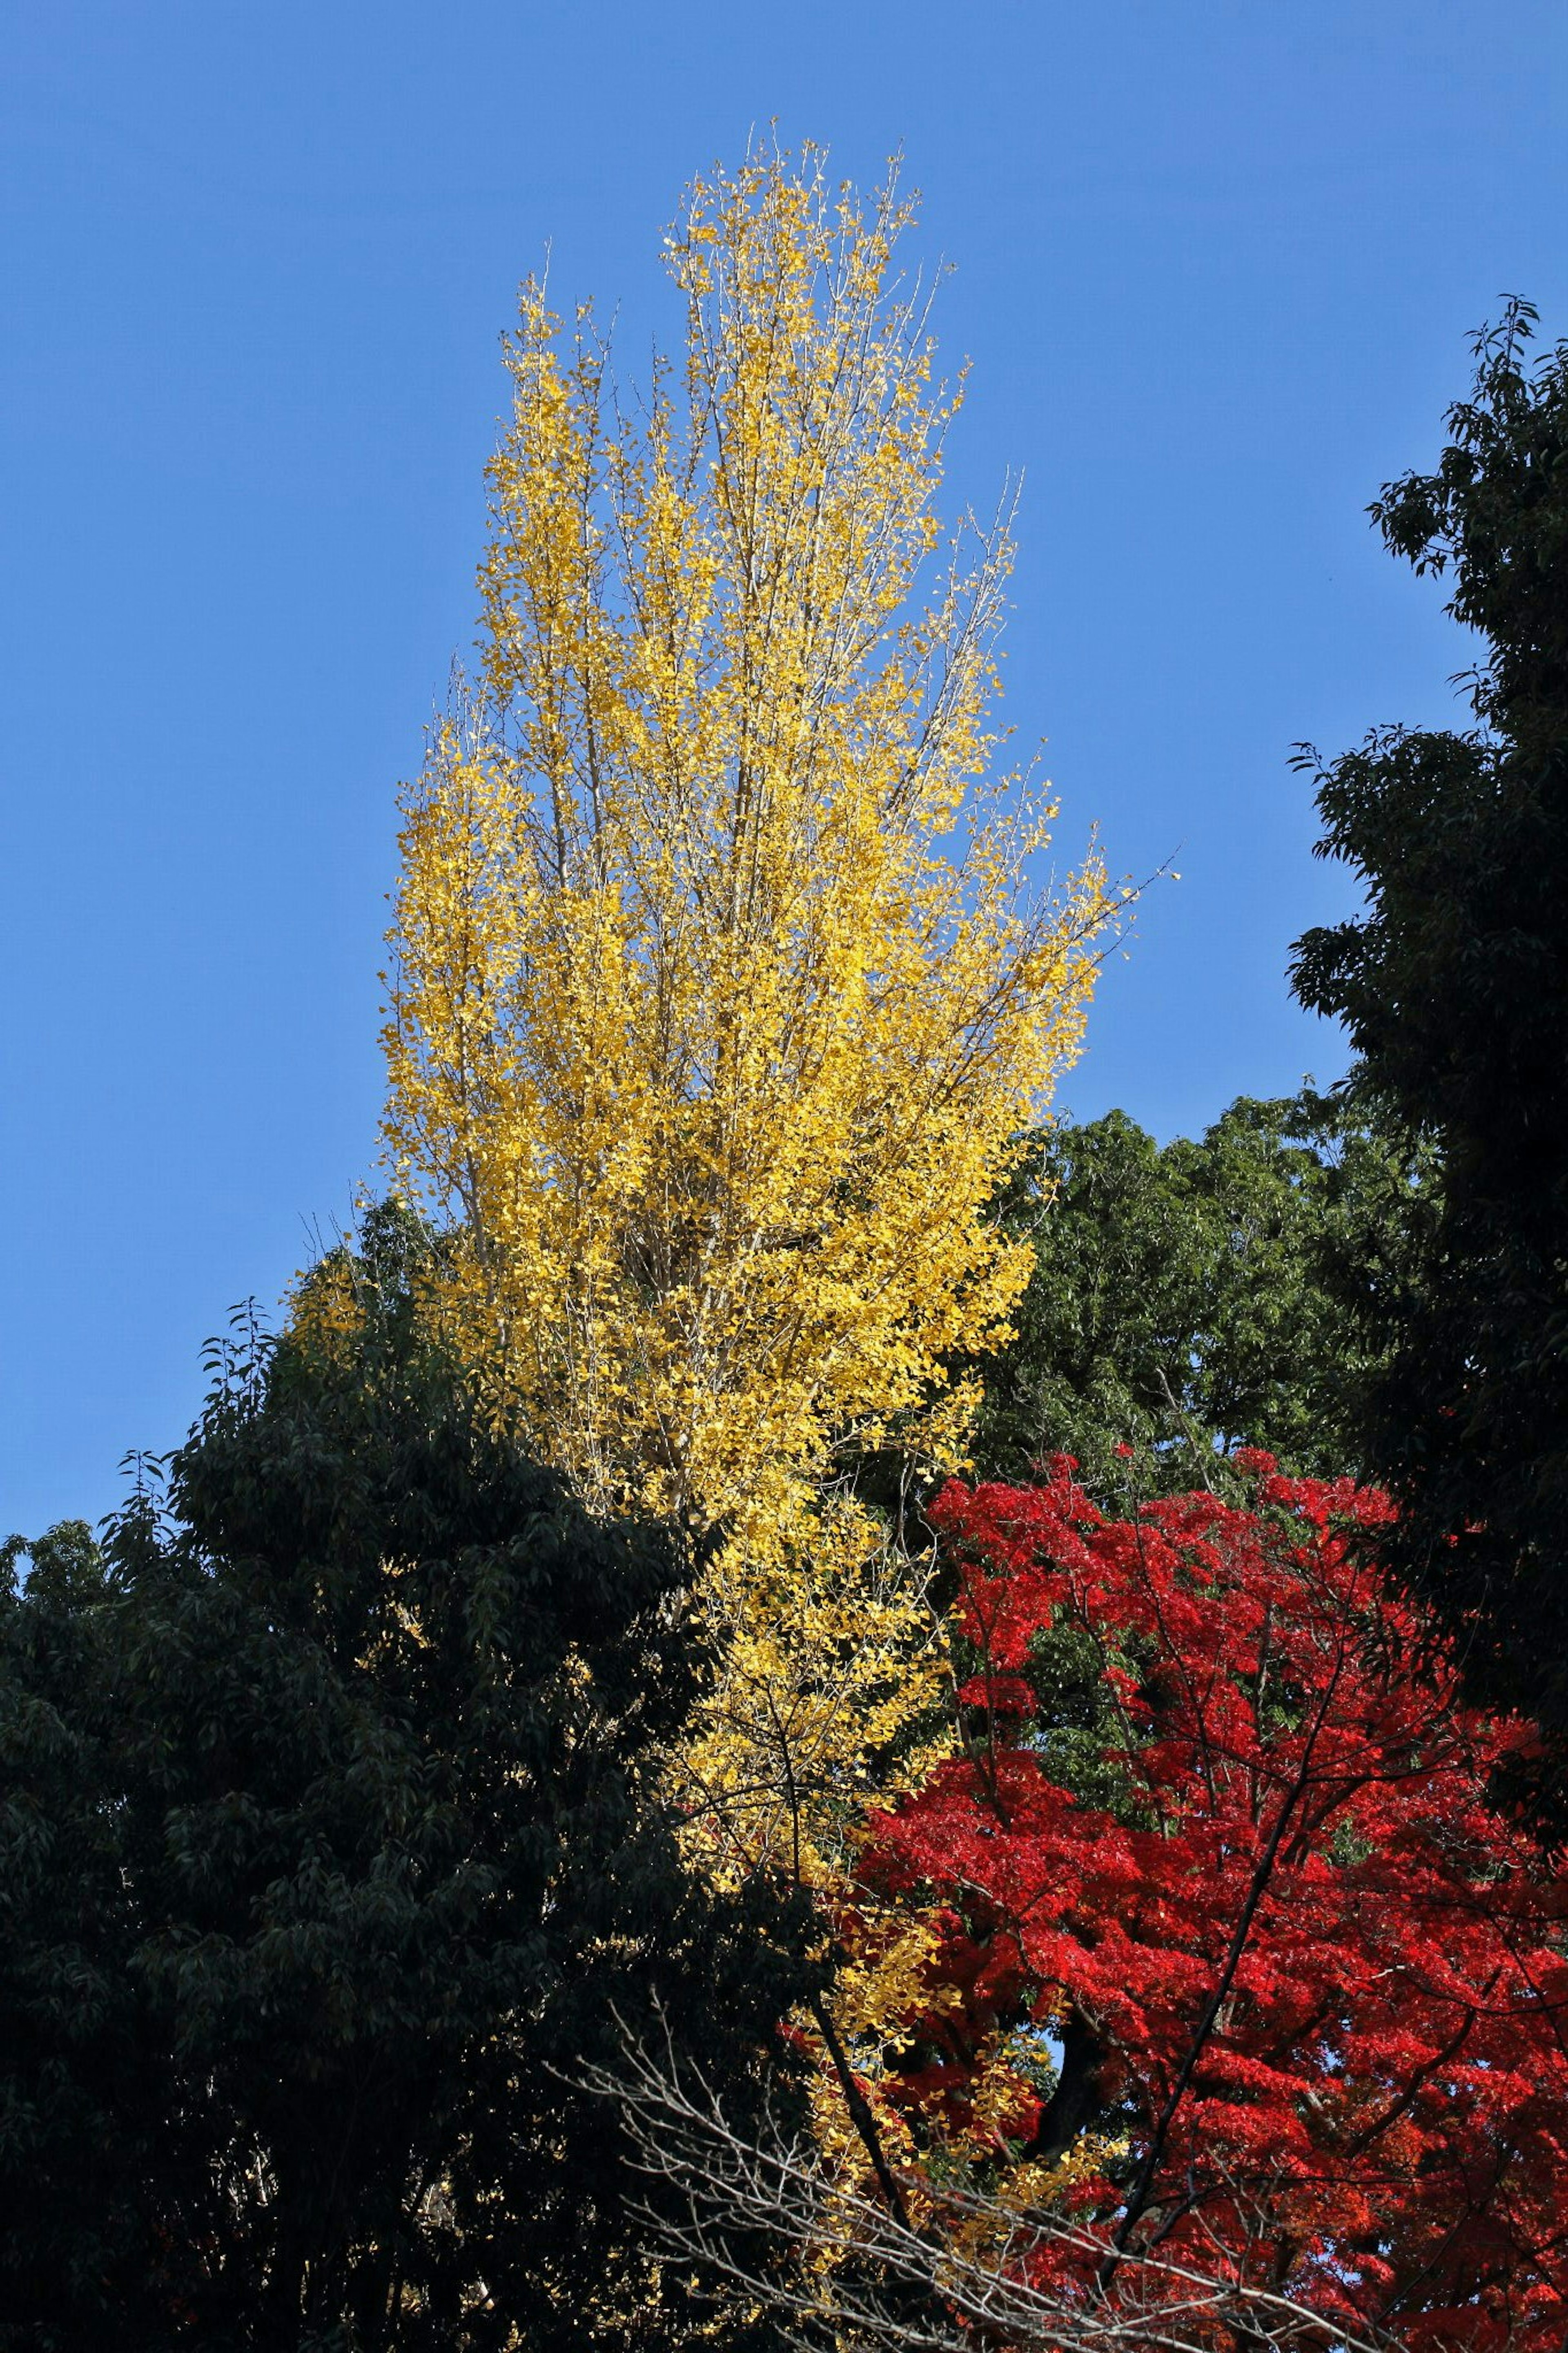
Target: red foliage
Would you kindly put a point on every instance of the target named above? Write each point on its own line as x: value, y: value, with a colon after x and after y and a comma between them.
x: 1304, y: 1975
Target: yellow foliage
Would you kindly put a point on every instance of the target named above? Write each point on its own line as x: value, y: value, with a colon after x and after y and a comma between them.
x: 720, y: 994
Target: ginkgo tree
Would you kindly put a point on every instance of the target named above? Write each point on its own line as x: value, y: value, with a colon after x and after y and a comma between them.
x: 720, y: 990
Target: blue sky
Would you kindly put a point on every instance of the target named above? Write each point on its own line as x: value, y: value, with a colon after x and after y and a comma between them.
x: 1215, y: 267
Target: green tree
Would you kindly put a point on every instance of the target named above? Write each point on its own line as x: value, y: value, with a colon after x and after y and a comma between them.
x: 86, y: 2116
x: 1452, y: 985
x: 367, y: 1735
x: 1192, y: 1298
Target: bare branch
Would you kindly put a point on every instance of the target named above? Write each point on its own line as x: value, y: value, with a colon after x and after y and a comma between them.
x: 847, y: 2269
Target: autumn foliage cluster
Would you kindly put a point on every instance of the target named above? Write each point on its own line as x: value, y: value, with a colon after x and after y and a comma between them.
x: 1218, y: 1839
x: 723, y: 988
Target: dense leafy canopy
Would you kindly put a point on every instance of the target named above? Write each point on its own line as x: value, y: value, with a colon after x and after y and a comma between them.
x: 85, y: 2115
x: 1454, y: 986
x: 721, y: 987
x: 1191, y: 1298
x: 334, y: 1846
x: 1232, y: 1960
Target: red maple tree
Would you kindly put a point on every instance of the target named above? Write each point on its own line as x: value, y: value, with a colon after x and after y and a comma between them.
x: 1218, y: 1839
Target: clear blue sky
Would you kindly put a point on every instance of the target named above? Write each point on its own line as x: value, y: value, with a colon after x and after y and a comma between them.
x: 1214, y: 269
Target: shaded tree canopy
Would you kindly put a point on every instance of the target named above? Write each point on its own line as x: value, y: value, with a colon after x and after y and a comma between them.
x: 1454, y: 988
x: 333, y: 1844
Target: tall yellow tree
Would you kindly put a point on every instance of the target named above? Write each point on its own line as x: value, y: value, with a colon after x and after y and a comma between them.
x: 719, y: 992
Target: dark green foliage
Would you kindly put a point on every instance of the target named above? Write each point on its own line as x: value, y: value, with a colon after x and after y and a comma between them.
x: 1454, y: 988
x: 349, y: 1768
x: 1075, y: 1717
x: 1192, y: 1298
x: 85, y: 2119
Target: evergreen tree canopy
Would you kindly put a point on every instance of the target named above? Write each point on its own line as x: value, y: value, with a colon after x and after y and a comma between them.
x: 344, y: 1786
x: 1454, y: 988
x: 86, y: 2113
x: 1191, y: 1298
